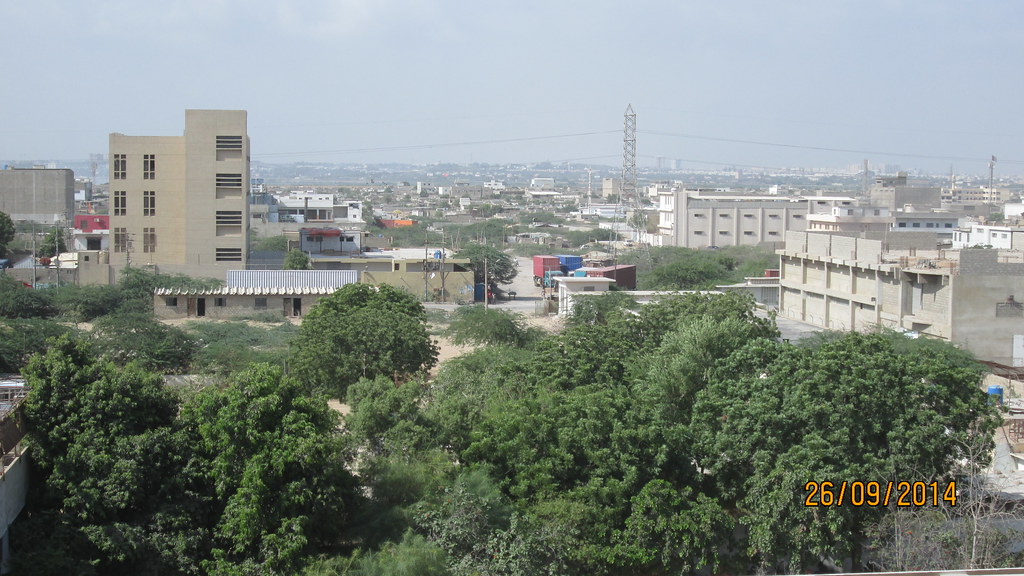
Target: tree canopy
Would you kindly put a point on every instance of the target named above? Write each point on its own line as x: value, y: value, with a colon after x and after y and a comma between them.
x: 501, y: 267
x: 362, y: 331
x: 296, y: 260
x: 6, y: 232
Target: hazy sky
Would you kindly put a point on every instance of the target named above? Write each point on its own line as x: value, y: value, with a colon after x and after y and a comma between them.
x: 924, y: 84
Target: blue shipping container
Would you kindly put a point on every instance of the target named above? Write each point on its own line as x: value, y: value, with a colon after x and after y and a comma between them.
x: 570, y: 262
x: 995, y: 394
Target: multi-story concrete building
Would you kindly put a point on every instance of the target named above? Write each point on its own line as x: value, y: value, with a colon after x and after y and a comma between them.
x: 851, y: 219
x: 897, y: 194
x: 989, y: 236
x: 973, y: 298
x: 692, y: 219
x: 976, y: 195
x: 180, y: 203
x: 43, y: 195
x: 942, y: 223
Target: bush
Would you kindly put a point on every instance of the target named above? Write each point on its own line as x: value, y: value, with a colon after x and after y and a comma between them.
x: 19, y: 301
x: 489, y: 326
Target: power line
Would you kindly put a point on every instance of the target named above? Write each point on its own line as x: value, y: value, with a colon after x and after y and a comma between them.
x: 819, y: 148
x: 436, y: 145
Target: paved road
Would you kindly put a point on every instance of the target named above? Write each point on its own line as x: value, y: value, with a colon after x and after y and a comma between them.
x: 527, y: 300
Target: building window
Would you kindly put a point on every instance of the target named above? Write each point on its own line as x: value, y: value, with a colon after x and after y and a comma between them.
x: 748, y: 233
x: 120, y: 166
x: 229, y: 142
x: 120, y: 203
x: 723, y: 232
x: 723, y: 215
x: 948, y: 225
x: 229, y: 186
x: 798, y: 216
x: 229, y: 180
x: 149, y: 167
x: 228, y: 255
x: 149, y: 203
x: 220, y: 302
x: 149, y: 240
x: 773, y: 233
x: 698, y: 232
x: 120, y: 239
x: 698, y: 215
x: 229, y: 217
x: 929, y: 225
x: 915, y: 225
x: 878, y: 212
x: 261, y: 304
x: 902, y: 225
x: 748, y: 215
x: 170, y: 301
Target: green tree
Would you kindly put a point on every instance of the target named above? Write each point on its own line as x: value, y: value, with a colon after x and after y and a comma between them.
x: 775, y: 417
x: 85, y: 303
x: 139, y: 337
x: 272, y: 244
x: 20, y: 301
x: 20, y: 338
x: 6, y: 232
x: 362, y: 331
x: 101, y: 443
x: 53, y: 244
x: 580, y: 458
x: 275, y: 465
x: 501, y: 267
x: 228, y: 347
x: 296, y: 260
x: 385, y: 418
x: 137, y: 286
x: 490, y: 326
x: 412, y: 556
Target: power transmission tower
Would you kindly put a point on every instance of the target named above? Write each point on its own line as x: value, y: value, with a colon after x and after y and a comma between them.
x: 628, y: 189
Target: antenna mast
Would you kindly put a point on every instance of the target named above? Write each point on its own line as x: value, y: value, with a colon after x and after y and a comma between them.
x: 628, y: 187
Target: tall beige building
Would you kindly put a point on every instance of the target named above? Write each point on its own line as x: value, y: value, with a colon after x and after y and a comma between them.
x: 180, y: 203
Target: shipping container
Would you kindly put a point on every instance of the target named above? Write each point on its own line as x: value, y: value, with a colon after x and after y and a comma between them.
x: 543, y: 265
x: 623, y: 274
x: 569, y: 262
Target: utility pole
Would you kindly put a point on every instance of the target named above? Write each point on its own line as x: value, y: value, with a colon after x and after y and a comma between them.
x: 443, y: 271
x: 487, y: 286
x: 991, y: 169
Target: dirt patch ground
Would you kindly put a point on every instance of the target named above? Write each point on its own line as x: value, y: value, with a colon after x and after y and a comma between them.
x: 448, y: 350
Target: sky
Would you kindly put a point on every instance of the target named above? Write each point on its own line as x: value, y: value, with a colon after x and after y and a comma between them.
x: 932, y: 86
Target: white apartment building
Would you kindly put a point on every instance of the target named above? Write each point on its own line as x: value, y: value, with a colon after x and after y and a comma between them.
x: 694, y: 219
x: 989, y: 236
x: 851, y: 219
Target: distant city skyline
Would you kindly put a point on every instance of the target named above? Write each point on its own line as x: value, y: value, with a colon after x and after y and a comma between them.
x: 930, y: 87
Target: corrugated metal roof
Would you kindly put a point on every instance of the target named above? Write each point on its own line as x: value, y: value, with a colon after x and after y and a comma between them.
x: 268, y: 279
x: 248, y: 291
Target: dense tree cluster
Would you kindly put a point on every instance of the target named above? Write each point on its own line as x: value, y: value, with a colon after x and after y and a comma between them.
x: 674, y: 268
x: 250, y: 478
x: 674, y: 437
